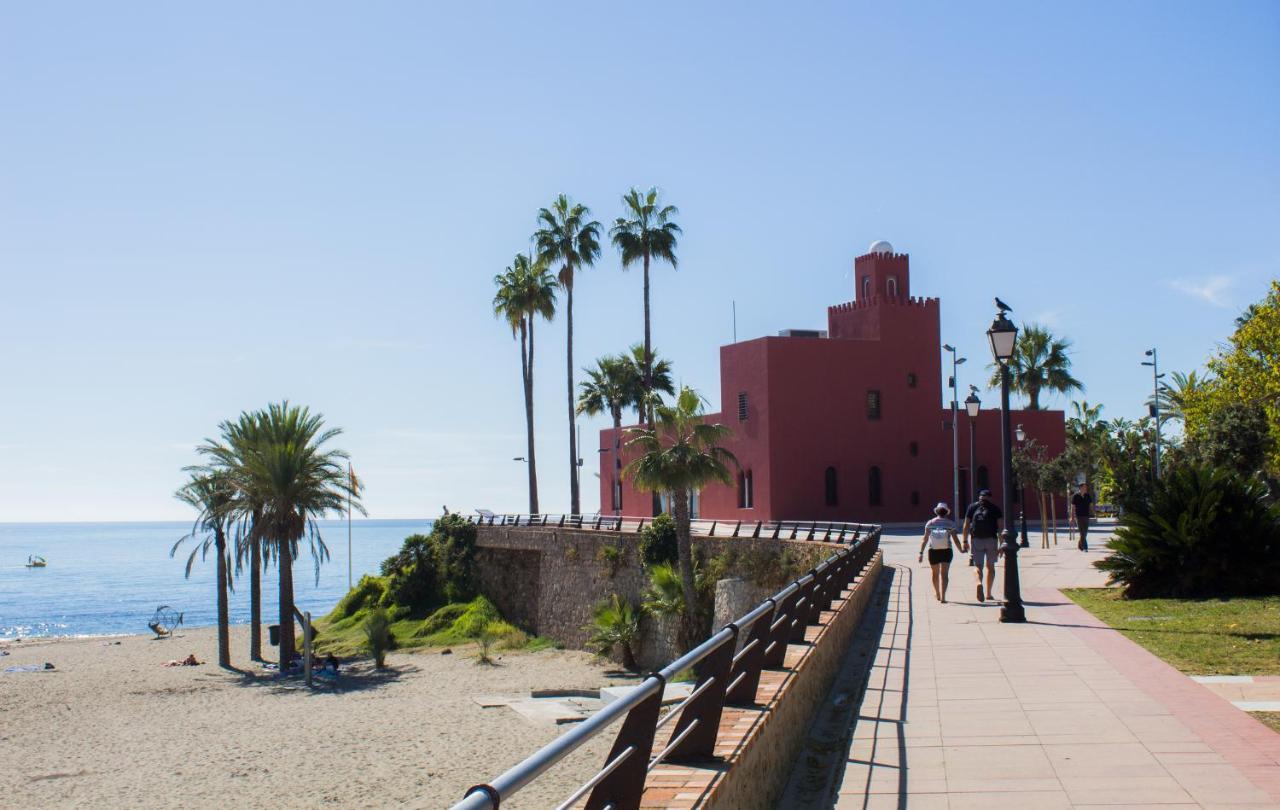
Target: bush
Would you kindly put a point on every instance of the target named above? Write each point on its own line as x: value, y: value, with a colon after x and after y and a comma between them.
x: 665, y: 594
x: 615, y: 623
x: 431, y: 570
x: 658, y: 543
x: 612, y: 557
x: 367, y: 593
x: 1203, y: 532
x: 378, y: 638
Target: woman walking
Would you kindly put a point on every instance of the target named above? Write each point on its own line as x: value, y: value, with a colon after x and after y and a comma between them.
x: 939, y: 534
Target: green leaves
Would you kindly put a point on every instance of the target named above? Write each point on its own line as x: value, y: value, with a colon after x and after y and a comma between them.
x: 647, y: 230
x: 1040, y: 363
x: 567, y: 238
x: 682, y: 452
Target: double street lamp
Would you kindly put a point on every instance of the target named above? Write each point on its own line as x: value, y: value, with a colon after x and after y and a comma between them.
x: 971, y: 406
x: 955, y: 429
x: 1154, y: 362
x: 1003, y: 336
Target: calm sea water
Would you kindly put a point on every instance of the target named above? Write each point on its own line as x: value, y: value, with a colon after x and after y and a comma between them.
x: 110, y: 577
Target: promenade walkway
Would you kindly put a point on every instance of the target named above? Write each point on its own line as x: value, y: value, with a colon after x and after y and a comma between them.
x: 961, y: 711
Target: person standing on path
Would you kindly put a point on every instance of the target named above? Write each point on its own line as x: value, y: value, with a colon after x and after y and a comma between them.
x: 939, y: 534
x: 982, y: 522
x: 1082, y: 506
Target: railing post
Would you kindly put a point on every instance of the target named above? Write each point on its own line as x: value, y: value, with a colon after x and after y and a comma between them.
x: 749, y: 666
x: 826, y: 538
x: 812, y: 529
x: 756, y: 533
x: 780, y: 630
x: 638, y: 528
x: 804, y: 605
x: 597, y: 526
x: 706, y: 708
x: 777, y: 527
x: 712, y: 532
x: 736, y: 528
x: 562, y: 517
x: 623, y: 788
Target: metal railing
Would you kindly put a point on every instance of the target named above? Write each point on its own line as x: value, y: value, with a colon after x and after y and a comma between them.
x: 724, y: 678
x: 776, y: 529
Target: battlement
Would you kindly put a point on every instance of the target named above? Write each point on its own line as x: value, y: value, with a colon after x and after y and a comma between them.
x: 882, y: 300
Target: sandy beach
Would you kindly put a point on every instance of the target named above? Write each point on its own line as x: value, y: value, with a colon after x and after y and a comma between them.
x: 110, y: 726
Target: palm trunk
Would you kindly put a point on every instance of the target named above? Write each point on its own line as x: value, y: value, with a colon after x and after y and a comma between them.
x: 526, y: 367
x: 684, y: 541
x: 648, y: 347
x: 286, y: 606
x: 255, y: 597
x: 574, y: 500
x: 224, y: 618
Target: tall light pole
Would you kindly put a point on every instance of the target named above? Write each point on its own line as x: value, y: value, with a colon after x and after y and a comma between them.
x: 1022, y: 493
x: 1003, y: 335
x: 955, y: 428
x: 1154, y: 362
x: 971, y: 406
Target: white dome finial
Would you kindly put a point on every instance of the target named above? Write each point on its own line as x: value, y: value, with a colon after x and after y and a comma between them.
x: 880, y: 246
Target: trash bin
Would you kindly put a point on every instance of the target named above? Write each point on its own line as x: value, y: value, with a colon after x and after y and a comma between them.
x: 273, y: 634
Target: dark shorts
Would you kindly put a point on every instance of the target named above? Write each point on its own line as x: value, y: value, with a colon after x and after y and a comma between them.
x: 939, y: 555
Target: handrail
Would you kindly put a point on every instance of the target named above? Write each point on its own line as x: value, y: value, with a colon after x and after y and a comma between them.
x: 723, y: 677
x: 806, y: 530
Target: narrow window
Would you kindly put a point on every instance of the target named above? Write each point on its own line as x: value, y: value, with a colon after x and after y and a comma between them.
x: 914, y: 449
x: 617, y: 495
x: 742, y: 406
x: 915, y: 498
x: 749, y: 493
x: 911, y: 380
x: 983, y: 482
x: 830, y: 485
x: 873, y: 404
x: 742, y: 489
x: 873, y: 486
x: 893, y: 287
x: 866, y: 287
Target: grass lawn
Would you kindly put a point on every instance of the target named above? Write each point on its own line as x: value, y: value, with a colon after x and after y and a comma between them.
x: 1198, y: 636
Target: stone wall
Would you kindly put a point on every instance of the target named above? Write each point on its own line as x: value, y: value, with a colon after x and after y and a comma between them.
x: 547, y: 580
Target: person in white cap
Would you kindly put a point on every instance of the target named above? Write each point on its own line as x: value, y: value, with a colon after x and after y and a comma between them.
x: 939, y: 534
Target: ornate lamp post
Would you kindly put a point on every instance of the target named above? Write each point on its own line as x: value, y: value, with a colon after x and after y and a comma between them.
x: 1022, y: 494
x: 1003, y: 335
x: 971, y: 406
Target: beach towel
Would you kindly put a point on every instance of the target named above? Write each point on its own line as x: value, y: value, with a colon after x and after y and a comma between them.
x: 30, y: 668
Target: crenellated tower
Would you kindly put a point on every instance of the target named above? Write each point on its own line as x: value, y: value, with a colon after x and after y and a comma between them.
x: 883, y: 307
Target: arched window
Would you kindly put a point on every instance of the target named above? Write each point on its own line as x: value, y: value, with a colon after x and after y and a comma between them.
x: 831, y: 489
x: 874, y: 486
x: 746, y: 498
x: 983, y: 481
x: 893, y: 287
x: 866, y: 287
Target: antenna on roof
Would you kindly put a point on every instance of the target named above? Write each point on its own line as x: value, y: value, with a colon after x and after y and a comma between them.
x: 735, y: 321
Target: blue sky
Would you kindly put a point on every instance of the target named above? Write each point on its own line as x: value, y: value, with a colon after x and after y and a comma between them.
x: 206, y: 209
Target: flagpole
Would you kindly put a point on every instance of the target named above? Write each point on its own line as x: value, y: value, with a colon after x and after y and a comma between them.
x: 351, y: 474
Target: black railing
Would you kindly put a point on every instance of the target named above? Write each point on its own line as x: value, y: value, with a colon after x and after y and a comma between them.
x: 776, y: 529
x: 724, y: 677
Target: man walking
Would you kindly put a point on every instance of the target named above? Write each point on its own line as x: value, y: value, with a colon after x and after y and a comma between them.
x: 982, y: 522
x: 1082, y: 506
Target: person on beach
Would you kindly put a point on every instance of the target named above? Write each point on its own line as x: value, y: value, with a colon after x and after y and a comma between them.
x: 1082, y: 507
x: 939, y: 534
x: 981, y: 530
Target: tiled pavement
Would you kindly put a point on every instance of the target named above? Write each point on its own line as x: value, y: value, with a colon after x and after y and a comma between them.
x: 962, y: 712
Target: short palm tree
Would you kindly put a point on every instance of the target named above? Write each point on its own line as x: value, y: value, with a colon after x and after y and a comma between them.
x: 646, y: 232
x: 680, y: 452
x: 526, y: 291
x: 212, y: 495
x: 615, y: 623
x: 1087, y: 437
x: 609, y: 388
x: 1040, y: 363
x: 569, y: 240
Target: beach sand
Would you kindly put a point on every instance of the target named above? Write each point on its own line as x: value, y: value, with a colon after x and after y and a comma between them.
x: 112, y: 727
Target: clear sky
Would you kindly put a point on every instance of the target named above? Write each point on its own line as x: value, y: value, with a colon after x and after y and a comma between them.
x: 206, y: 209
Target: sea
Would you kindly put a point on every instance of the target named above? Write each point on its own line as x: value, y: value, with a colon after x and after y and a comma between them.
x: 110, y: 578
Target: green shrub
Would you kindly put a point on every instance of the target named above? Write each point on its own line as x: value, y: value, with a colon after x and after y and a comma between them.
x: 615, y: 623
x: 378, y: 638
x: 435, y: 569
x: 441, y: 620
x: 658, y: 543
x: 612, y: 557
x: 367, y: 593
x: 454, y: 547
x: 665, y: 594
x: 1204, y: 532
x: 479, y: 614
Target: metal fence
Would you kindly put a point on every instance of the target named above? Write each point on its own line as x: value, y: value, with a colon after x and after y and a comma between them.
x: 776, y: 529
x: 726, y: 676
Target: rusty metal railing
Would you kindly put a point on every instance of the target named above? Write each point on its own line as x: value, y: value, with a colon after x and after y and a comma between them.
x: 726, y: 676
x: 829, y: 532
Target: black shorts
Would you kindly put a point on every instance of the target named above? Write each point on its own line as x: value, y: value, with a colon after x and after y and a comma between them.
x: 940, y: 555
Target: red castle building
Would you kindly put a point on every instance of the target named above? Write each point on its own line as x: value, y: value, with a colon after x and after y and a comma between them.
x: 846, y: 424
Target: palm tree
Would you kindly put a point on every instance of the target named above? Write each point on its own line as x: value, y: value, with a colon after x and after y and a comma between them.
x: 1087, y: 437
x: 526, y: 291
x: 570, y: 240
x: 611, y: 386
x: 681, y: 453
x: 646, y: 232
x: 660, y: 381
x: 211, y: 495
x: 1040, y: 362
x: 1173, y: 397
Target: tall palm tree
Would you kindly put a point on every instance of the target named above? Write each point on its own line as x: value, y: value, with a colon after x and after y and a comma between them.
x: 660, y: 381
x: 526, y: 291
x: 1087, y: 437
x: 568, y: 239
x: 680, y: 452
x: 212, y: 495
x: 646, y: 232
x: 1040, y: 362
x: 609, y: 388
x: 1173, y: 396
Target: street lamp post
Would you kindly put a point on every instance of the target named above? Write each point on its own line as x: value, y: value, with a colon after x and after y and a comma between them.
x: 955, y: 428
x: 1003, y: 335
x: 1022, y: 493
x: 1155, y: 405
x: 971, y: 406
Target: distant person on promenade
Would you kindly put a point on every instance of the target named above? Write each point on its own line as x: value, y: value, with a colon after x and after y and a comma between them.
x: 1082, y: 507
x: 939, y: 534
x: 981, y: 530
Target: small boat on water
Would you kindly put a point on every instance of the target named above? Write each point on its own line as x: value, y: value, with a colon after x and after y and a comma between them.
x: 36, y: 561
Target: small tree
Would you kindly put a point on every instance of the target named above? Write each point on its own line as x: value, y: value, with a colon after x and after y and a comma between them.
x: 615, y: 623
x: 377, y: 636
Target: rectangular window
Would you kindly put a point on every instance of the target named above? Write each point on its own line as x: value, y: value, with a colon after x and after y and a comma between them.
x: 742, y: 406
x: 873, y: 404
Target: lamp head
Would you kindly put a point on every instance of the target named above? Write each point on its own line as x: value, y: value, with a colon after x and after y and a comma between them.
x: 1021, y: 434
x: 947, y: 347
x: 971, y: 403
x: 1150, y: 352
x: 960, y: 362
x: 1003, y: 336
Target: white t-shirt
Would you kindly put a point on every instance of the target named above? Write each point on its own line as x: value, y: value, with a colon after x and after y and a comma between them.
x: 940, y: 530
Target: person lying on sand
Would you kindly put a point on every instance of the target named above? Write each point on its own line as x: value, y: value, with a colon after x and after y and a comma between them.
x: 189, y: 661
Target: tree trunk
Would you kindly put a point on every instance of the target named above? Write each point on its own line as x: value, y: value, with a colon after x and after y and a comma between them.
x: 255, y: 596
x: 648, y: 347
x: 1033, y: 397
x: 1053, y: 511
x: 574, y: 499
x: 684, y: 541
x: 1044, y: 524
x: 286, y: 606
x: 224, y: 618
x: 526, y: 369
